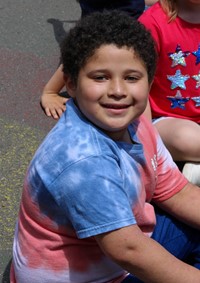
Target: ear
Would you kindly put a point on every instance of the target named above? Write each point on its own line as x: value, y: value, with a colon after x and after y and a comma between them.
x: 70, y: 86
x: 150, y: 83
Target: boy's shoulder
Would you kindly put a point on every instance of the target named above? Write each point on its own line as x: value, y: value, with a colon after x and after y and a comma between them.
x: 73, y: 138
x: 144, y: 128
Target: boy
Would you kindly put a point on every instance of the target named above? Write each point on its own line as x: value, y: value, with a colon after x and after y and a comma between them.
x: 51, y: 102
x: 87, y: 211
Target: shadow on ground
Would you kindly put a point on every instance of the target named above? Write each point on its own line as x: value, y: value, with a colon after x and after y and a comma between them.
x: 6, y: 277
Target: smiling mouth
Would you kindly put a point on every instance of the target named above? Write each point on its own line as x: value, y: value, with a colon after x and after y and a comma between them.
x: 115, y: 106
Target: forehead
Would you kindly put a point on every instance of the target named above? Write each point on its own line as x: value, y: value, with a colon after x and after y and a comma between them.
x: 108, y: 51
x: 110, y: 47
x: 109, y: 54
x: 111, y: 58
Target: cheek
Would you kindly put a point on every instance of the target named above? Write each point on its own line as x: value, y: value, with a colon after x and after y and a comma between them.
x: 141, y: 100
x: 142, y: 95
x: 93, y: 93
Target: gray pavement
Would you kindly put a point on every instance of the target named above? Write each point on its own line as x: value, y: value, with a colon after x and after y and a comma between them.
x: 30, y: 33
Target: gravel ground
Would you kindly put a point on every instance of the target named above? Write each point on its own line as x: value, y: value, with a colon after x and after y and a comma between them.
x: 29, y: 50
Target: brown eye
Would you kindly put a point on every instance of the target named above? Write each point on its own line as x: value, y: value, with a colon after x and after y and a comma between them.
x: 132, y: 78
x: 100, y: 78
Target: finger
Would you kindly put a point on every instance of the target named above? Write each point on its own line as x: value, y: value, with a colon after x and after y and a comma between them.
x: 65, y: 100
x: 54, y: 114
x: 47, y: 112
x: 60, y: 112
x: 63, y: 108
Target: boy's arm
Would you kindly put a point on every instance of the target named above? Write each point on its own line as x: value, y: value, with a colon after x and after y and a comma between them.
x: 51, y: 102
x: 184, y: 205
x: 145, y: 258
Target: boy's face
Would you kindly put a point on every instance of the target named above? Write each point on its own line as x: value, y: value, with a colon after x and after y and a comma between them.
x: 112, y: 89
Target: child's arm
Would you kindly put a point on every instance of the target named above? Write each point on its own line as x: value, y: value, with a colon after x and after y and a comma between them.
x: 184, y: 205
x: 145, y: 258
x: 51, y: 102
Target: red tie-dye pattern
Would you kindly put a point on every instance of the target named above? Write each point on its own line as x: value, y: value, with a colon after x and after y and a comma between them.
x: 12, y: 274
x: 38, y: 244
x: 162, y: 177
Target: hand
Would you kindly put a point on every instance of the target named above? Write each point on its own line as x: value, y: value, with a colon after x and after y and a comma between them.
x: 53, y: 104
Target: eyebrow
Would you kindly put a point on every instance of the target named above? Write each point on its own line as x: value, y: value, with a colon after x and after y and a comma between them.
x: 107, y: 70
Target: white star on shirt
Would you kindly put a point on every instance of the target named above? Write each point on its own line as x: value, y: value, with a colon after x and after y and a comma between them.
x: 178, y: 80
x: 197, y: 78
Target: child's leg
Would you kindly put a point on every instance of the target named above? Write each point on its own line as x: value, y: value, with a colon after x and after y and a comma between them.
x: 181, y: 137
x: 131, y: 279
x: 178, y: 238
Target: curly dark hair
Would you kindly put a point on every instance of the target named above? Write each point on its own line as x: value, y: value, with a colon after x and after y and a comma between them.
x: 99, y: 29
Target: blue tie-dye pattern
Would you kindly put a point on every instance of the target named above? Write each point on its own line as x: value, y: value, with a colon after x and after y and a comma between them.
x: 80, y: 176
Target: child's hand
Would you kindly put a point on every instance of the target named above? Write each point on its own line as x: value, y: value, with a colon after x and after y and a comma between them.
x: 53, y: 104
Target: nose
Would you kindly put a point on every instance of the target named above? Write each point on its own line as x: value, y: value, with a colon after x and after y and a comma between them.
x: 116, y: 88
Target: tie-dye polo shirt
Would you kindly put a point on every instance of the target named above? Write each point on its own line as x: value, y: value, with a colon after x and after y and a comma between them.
x: 79, y: 184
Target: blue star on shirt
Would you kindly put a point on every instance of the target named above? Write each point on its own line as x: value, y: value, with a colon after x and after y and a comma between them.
x: 196, y: 100
x: 197, y: 78
x: 197, y: 54
x: 178, y: 80
x: 178, y: 57
x: 178, y: 101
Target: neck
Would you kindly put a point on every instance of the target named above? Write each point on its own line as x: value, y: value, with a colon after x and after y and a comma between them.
x: 123, y: 136
x: 189, y: 12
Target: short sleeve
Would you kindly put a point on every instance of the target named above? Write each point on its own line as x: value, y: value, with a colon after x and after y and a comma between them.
x: 92, y: 195
x: 169, y: 179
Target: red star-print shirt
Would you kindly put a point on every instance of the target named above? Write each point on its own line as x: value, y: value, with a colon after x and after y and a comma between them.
x: 176, y: 88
